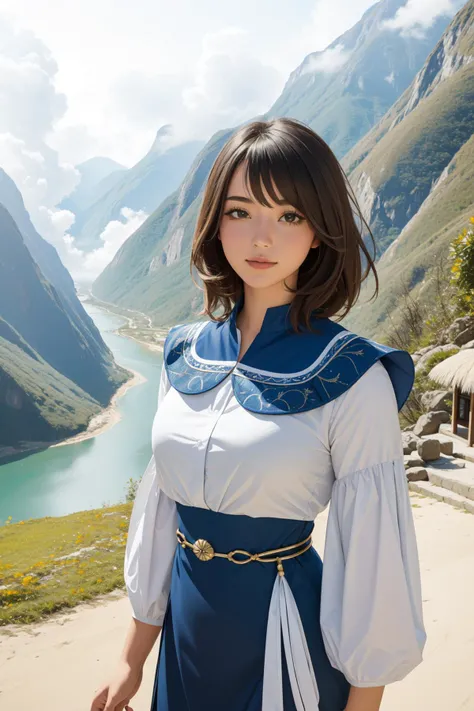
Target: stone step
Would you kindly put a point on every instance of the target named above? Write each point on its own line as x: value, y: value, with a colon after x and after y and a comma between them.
x: 452, y: 481
x: 426, y: 488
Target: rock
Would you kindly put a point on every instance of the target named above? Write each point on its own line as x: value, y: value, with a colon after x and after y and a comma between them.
x: 446, y: 447
x: 436, y: 349
x: 429, y: 449
x: 436, y: 400
x: 461, y: 330
x: 417, y: 474
x: 413, y: 460
x: 408, y: 428
x: 409, y: 441
x: 430, y: 422
x: 469, y: 344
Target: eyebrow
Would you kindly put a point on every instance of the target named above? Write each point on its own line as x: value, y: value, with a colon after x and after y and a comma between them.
x: 241, y: 198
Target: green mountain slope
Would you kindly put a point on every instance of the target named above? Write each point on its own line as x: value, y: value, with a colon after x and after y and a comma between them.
x: 32, y: 306
x: 37, y: 404
x: 395, y: 166
x: 415, y: 173
x: 100, y: 375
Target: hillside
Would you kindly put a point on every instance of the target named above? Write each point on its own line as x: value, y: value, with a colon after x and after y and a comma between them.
x: 39, y: 312
x: 150, y: 272
x: 416, y: 181
x: 100, y: 374
x: 395, y: 166
x: 37, y: 404
x: 344, y: 103
x: 142, y: 187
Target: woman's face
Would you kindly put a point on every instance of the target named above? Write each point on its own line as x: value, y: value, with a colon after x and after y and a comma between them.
x: 279, y: 234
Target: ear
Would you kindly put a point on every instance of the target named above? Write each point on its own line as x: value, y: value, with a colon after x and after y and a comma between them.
x: 315, y: 243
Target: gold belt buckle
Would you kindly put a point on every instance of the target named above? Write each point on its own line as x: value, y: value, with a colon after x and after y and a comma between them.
x: 201, y: 548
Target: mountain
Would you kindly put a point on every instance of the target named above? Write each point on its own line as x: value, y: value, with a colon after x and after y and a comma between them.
x: 99, y: 375
x: 413, y: 173
x: 46, y: 321
x: 344, y: 90
x: 150, y: 272
x: 98, y: 175
x: 37, y: 404
x: 142, y: 187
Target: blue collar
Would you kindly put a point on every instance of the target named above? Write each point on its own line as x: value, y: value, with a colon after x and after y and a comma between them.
x: 282, y: 372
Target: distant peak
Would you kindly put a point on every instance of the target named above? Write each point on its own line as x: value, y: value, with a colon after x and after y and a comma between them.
x: 160, y: 142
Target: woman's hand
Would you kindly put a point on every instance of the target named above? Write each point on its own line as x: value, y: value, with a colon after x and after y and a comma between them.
x: 115, y: 695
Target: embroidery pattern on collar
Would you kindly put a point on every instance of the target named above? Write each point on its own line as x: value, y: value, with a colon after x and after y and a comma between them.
x: 339, y: 365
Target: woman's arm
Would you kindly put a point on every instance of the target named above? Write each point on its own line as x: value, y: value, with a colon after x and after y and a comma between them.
x: 368, y: 699
x: 139, y: 642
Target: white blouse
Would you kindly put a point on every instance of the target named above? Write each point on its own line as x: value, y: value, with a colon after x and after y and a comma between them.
x: 210, y: 452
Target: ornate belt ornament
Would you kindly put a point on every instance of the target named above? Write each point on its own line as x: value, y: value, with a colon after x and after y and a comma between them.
x: 203, y: 550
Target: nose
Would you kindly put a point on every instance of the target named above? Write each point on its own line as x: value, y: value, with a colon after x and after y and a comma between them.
x: 263, y: 232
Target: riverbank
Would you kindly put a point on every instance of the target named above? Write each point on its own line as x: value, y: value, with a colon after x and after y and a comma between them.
x: 139, y: 325
x: 62, y: 645
x: 107, y: 417
x: 139, y: 329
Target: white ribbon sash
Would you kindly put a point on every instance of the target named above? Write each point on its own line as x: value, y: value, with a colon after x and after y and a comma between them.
x: 284, y: 617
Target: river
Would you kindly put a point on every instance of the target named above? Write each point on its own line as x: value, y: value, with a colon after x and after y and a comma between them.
x: 86, y: 475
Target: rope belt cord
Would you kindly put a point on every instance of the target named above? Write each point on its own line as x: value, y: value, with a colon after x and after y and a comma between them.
x: 204, y: 551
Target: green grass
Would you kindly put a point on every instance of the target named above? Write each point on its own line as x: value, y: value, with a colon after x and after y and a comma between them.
x: 35, y: 579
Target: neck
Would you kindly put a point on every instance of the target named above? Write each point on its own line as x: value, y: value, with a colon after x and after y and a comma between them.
x: 256, y: 302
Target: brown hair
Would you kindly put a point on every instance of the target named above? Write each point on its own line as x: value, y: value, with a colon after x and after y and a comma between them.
x: 310, y: 178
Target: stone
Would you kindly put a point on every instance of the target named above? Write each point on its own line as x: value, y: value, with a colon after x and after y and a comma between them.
x: 409, y: 441
x: 417, y: 474
x: 429, y: 422
x: 434, y: 400
x: 429, y: 449
x: 422, y: 362
x: 413, y: 460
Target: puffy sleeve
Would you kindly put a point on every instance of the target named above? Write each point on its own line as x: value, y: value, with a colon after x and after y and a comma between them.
x: 151, y: 542
x: 371, y: 600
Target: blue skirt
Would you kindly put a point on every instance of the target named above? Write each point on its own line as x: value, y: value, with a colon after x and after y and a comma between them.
x: 212, y: 646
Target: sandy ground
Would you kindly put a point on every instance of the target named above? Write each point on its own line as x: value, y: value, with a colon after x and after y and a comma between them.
x: 57, y: 665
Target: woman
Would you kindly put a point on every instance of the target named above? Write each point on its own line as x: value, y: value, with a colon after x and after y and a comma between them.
x: 265, y: 414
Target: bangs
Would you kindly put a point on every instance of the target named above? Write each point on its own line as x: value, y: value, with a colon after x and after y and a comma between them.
x: 266, y: 161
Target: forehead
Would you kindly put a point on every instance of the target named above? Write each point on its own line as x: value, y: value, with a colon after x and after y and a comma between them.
x: 238, y: 185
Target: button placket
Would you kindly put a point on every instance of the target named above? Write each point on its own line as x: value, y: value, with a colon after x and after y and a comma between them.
x: 219, y: 414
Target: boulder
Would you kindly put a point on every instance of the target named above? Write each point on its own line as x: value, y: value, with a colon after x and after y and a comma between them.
x: 460, y: 331
x: 436, y: 349
x: 417, y: 474
x: 429, y: 449
x: 469, y: 344
x: 436, y: 400
x: 429, y: 422
x: 409, y: 441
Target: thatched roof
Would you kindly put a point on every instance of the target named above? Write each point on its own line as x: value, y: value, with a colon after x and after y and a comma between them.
x: 457, y: 370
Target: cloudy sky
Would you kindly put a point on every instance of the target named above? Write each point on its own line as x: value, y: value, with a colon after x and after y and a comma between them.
x: 99, y: 77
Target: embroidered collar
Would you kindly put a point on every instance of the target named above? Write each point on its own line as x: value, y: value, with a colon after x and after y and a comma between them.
x: 282, y: 372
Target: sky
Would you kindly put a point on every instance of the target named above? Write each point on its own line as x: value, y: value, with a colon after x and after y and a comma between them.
x: 100, y: 77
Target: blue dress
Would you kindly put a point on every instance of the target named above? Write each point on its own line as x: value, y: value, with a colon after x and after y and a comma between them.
x: 245, y: 455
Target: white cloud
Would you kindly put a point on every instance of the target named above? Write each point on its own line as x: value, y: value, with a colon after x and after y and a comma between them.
x: 416, y: 16
x: 86, y: 266
x: 390, y: 78
x: 329, y: 61
x: 30, y: 107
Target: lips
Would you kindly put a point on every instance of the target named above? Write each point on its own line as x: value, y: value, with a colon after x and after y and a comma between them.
x: 260, y: 261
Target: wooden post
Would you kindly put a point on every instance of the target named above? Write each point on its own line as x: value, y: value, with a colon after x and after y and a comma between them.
x: 455, y: 409
x: 470, y: 435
